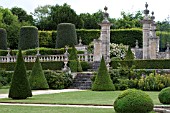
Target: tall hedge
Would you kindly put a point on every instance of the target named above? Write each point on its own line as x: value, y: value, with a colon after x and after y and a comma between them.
x: 28, y: 37
x: 66, y: 35
x: 37, y: 78
x: 20, y: 87
x: 103, y: 81
x: 3, y: 39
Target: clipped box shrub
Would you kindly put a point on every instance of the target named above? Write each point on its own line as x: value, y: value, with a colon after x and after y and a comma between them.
x: 66, y: 35
x: 58, y: 80
x: 28, y: 37
x: 3, y: 39
x: 133, y: 101
x: 164, y: 96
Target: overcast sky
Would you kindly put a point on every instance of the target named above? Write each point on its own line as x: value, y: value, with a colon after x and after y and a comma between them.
x: 160, y: 7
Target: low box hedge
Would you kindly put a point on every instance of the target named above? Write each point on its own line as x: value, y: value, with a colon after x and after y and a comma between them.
x: 144, y: 64
x: 55, y: 65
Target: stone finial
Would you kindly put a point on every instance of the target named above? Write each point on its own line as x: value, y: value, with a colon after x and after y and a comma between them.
x: 80, y: 41
x: 137, y: 44
x: 105, y: 15
x: 152, y: 17
x: 167, y: 45
x: 146, y: 11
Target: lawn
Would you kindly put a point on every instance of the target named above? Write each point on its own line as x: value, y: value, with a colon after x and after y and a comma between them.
x: 80, y: 97
x: 40, y: 109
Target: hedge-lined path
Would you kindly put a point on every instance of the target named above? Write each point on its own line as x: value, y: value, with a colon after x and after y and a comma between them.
x: 39, y: 92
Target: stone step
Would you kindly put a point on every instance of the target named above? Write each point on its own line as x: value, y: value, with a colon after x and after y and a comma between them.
x: 82, y: 81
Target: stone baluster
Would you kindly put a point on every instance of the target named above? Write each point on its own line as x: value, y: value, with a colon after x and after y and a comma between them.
x: 8, y: 55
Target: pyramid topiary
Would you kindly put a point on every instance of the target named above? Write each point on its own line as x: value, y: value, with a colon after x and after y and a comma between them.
x: 3, y: 39
x: 103, y: 81
x: 20, y: 87
x: 66, y: 35
x: 129, y: 55
x: 37, y: 78
x: 74, y: 63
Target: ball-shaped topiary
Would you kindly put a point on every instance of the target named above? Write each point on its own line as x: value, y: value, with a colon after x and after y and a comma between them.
x: 164, y: 96
x: 37, y: 78
x: 20, y: 87
x: 133, y: 101
x: 103, y: 81
x: 28, y: 37
x: 3, y: 39
x: 66, y: 35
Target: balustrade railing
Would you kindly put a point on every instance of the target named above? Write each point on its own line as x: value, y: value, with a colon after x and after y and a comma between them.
x: 44, y: 58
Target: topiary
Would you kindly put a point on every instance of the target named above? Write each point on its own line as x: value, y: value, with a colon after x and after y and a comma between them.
x: 74, y: 63
x: 37, y: 78
x: 3, y: 39
x: 28, y: 37
x: 129, y: 55
x: 20, y: 87
x: 133, y: 101
x: 66, y: 35
x: 164, y: 96
x: 103, y: 81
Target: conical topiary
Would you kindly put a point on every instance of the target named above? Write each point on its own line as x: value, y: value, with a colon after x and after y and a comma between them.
x: 37, y: 78
x: 74, y: 63
x: 103, y: 81
x: 129, y: 55
x: 20, y: 87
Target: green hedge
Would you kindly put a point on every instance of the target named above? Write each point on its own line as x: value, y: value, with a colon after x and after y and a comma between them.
x: 43, y: 51
x: 28, y: 37
x: 3, y: 39
x: 144, y: 64
x: 55, y: 65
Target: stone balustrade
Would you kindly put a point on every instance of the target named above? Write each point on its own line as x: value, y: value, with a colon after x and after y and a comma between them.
x: 44, y: 58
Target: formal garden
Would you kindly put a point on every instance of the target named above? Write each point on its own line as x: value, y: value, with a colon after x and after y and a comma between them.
x: 54, y: 61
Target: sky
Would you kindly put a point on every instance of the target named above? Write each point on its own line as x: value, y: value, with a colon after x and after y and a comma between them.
x: 161, y: 8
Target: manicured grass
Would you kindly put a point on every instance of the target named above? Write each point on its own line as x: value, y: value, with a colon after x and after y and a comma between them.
x: 80, y: 97
x: 35, y: 109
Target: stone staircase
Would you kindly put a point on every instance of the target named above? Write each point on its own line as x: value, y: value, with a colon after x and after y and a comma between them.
x: 82, y: 80
x: 96, y: 65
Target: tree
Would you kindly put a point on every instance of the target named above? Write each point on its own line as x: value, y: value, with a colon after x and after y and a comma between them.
x: 20, y: 87
x: 37, y: 78
x: 10, y: 22
x: 22, y: 15
x: 64, y: 14
x: 42, y: 14
x: 3, y: 39
x: 103, y: 81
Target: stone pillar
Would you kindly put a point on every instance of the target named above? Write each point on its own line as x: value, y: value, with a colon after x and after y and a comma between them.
x: 153, y: 40
x: 146, y: 30
x: 105, y: 36
x: 97, y: 50
x: 167, y: 51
